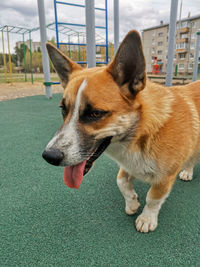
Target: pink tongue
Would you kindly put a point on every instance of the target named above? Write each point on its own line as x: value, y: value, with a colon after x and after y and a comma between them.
x: 73, y: 175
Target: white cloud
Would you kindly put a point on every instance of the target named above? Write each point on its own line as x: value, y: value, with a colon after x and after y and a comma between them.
x: 134, y: 14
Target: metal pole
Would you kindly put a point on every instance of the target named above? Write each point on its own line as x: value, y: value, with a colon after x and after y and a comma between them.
x: 25, y: 69
x: 69, y: 49
x: 176, y: 70
x: 90, y: 33
x: 56, y: 24
x: 106, y: 18
x: 116, y: 25
x: 171, y: 44
x: 79, y: 50
x: 43, y: 36
x: 31, y: 63
x: 196, y: 57
x: 4, y: 58
x: 9, y: 56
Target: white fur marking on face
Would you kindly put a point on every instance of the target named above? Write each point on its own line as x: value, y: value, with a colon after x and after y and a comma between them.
x: 68, y: 136
x: 78, y: 101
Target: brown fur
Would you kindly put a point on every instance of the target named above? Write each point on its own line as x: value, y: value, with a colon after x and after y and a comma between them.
x: 169, y: 129
x: 160, y: 123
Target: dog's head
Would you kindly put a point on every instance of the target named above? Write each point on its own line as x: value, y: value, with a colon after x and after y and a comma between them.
x: 99, y: 106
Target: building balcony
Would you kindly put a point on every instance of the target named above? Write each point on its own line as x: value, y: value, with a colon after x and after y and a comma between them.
x: 181, y: 50
x: 182, y: 40
x: 184, y: 30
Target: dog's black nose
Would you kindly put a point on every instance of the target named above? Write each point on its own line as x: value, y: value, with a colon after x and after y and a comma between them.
x: 53, y: 156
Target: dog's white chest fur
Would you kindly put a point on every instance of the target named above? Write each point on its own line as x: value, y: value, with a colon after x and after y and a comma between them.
x: 135, y: 163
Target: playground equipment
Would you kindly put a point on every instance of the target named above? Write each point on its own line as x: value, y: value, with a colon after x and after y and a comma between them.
x: 4, y: 58
x: 196, y: 57
x: 89, y: 38
x: 157, y: 66
x: 43, y: 36
x: 116, y: 25
x: 20, y: 31
x: 90, y: 29
x: 171, y: 43
x: 74, y: 37
x: 90, y: 33
x: 25, y: 35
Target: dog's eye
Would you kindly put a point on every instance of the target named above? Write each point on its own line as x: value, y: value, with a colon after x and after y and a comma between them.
x: 64, y: 110
x: 92, y: 115
x: 96, y: 114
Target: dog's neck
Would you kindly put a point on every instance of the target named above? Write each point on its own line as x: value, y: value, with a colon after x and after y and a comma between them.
x: 156, y: 109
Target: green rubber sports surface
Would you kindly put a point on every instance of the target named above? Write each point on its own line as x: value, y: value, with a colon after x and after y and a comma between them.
x: 44, y: 223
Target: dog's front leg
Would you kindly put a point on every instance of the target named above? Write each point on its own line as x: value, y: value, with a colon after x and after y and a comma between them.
x: 125, y: 184
x: 148, y: 219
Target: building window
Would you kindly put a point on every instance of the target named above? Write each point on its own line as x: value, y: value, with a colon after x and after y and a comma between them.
x: 185, y: 24
x: 181, y: 46
x: 160, y: 43
x: 181, y: 66
x: 184, y: 35
x: 191, y: 45
x: 160, y: 34
x: 194, y: 24
x: 190, y: 66
x: 153, y: 33
x: 182, y: 56
x: 193, y: 35
x: 191, y: 56
x: 153, y: 42
x: 153, y: 50
x: 159, y: 52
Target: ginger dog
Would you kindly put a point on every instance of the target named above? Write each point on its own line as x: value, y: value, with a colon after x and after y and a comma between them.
x: 151, y: 131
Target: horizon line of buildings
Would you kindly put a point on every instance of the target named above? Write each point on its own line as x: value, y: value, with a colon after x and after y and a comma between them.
x: 155, y: 45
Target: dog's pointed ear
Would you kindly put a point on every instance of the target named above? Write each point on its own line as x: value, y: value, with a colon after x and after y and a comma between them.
x: 62, y: 64
x: 128, y: 66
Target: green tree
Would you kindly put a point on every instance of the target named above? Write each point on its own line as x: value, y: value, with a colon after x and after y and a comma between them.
x: 12, y: 66
x: 19, y: 52
x: 36, y: 61
x: 52, y: 41
x: 1, y: 59
x: 14, y: 59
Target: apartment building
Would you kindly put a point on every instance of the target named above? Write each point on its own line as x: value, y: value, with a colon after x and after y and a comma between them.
x: 155, y: 44
x: 35, y: 46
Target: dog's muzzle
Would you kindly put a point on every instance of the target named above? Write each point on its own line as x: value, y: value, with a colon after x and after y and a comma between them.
x: 53, y: 156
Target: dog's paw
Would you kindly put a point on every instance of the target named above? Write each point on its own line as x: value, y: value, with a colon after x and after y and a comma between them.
x: 186, y: 175
x: 146, y: 222
x: 132, y: 206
